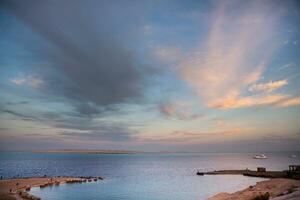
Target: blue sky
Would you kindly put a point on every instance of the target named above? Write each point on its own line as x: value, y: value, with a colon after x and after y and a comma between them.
x: 150, y: 75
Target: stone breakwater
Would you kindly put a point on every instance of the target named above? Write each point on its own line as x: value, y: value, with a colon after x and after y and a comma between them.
x: 18, y: 189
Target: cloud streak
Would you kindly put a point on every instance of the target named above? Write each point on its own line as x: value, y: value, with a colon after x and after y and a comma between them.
x: 238, y: 49
x: 268, y: 87
x: 179, y: 110
x: 289, y: 102
x: 231, y: 103
x: 195, y: 137
x: 31, y: 81
x: 115, y: 135
x: 278, y: 100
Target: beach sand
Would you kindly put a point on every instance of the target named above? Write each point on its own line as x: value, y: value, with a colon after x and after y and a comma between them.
x: 275, y: 188
x: 10, y: 188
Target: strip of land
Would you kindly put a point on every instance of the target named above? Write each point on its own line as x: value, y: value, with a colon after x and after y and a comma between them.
x: 85, y: 151
x: 262, y: 174
x: 17, y: 189
x: 277, y: 189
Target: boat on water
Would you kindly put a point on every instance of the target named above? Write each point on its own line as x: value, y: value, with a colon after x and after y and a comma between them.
x: 260, y: 156
x: 200, y: 173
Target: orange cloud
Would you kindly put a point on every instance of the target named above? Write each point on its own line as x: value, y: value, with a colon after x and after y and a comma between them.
x: 268, y: 87
x: 289, y: 102
x: 248, y: 101
x: 234, y: 58
x: 279, y: 100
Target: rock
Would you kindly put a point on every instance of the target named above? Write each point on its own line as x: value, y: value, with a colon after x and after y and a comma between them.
x: 24, y: 195
x: 5, y: 196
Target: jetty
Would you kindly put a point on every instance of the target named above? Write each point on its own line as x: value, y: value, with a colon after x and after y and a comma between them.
x: 293, y: 172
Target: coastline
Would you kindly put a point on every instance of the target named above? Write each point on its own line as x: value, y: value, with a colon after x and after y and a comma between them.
x: 18, y: 189
x: 78, y: 151
x: 277, y: 189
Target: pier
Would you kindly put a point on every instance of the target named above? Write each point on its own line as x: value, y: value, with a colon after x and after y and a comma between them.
x: 293, y: 172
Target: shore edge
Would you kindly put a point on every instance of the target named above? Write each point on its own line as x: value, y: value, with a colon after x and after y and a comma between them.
x: 18, y: 189
x: 276, y: 188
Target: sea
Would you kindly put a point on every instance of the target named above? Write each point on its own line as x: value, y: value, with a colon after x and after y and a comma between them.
x: 170, y: 176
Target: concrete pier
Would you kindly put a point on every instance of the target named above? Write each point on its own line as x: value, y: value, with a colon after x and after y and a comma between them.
x: 293, y: 173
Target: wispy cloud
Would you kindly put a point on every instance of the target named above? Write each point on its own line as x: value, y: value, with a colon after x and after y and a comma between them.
x: 289, y: 102
x: 28, y: 80
x: 179, y: 110
x: 230, y: 103
x: 18, y: 81
x: 268, y: 87
x: 220, y: 123
x: 115, y: 135
x: 235, y: 57
x: 167, y: 54
x: 278, y: 100
x: 286, y: 66
x: 194, y: 137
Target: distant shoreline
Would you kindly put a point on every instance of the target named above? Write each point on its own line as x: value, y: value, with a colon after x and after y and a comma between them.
x: 108, y: 151
x: 76, y: 151
x: 100, y: 151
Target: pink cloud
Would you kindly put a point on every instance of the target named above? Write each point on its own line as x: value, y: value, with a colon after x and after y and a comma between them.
x: 240, y: 102
x: 18, y: 81
x: 289, y: 102
x: 195, y: 136
x: 180, y: 110
x: 268, y: 87
x: 32, y: 81
x: 234, y: 58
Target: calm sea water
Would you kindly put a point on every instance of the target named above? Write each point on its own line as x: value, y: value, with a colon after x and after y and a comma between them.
x: 139, y: 176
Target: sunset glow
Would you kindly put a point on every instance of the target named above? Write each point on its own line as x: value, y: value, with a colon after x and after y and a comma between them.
x: 150, y: 75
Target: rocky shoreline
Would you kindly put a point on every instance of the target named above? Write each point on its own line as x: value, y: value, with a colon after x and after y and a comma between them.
x: 18, y: 189
x: 277, y: 189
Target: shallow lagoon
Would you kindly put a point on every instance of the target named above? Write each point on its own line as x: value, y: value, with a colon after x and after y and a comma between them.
x: 139, y: 176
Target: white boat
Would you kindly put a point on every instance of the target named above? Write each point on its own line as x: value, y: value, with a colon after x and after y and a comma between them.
x: 260, y: 156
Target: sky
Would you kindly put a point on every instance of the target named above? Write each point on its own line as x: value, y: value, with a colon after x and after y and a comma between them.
x: 198, y: 76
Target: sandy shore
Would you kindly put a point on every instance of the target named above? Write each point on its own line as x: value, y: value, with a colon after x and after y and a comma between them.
x: 279, y: 189
x: 12, y: 189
